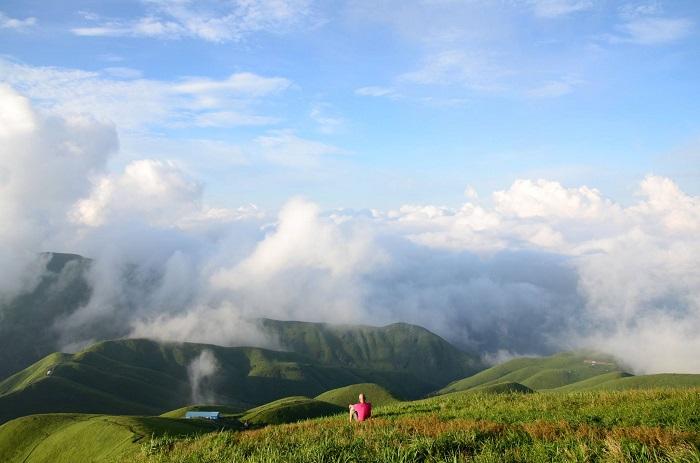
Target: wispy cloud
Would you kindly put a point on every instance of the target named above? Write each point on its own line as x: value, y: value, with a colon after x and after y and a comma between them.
x: 323, y: 115
x: 552, y: 89
x: 557, y: 8
x: 206, y: 20
x: 7, y: 22
x: 654, y: 30
x: 375, y: 91
x: 472, y: 70
x: 120, y: 96
x: 284, y: 147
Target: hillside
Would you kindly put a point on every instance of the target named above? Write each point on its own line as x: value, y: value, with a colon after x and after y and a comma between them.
x: 640, y: 426
x: 62, y: 289
x: 540, y: 373
x: 566, y: 372
x: 67, y: 438
x: 139, y: 376
x: 657, y: 381
x: 289, y: 410
x: 398, y: 347
x: 343, y: 396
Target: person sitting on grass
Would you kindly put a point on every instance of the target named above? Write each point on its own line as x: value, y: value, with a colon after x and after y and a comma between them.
x: 361, y: 411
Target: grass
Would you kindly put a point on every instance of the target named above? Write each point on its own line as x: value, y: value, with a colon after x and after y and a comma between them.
x: 67, y: 438
x: 661, y: 425
x: 540, y: 372
x: 290, y: 410
x: 501, y: 388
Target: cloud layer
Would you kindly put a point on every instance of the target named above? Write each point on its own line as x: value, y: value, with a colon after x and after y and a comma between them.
x: 533, y: 268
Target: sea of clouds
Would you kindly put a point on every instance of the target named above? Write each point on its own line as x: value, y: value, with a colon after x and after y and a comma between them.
x: 531, y: 269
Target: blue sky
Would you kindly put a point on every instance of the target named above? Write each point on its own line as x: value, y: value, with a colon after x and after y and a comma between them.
x: 374, y: 104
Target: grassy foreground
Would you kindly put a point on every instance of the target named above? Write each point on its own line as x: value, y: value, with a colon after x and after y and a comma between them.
x: 638, y: 425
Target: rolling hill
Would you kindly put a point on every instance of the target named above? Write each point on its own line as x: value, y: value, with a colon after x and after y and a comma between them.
x: 145, y: 377
x: 67, y: 438
x: 343, y: 396
x: 566, y: 372
x: 289, y: 410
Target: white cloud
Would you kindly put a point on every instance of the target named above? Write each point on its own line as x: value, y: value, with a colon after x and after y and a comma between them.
x: 232, y: 119
x: 207, y: 20
x: 45, y: 165
x: 157, y: 192
x: 654, y: 30
x: 473, y: 70
x: 284, y: 147
x: 539, y: 267
x: 123, y: 72
x: 550, y: 89
x: 242, y: 83
x: 388, y: 92
x: 7, y: 22
x: 542, y: 198
x: 135, y: 103
x: 327, y: 122
x: 557, y: 8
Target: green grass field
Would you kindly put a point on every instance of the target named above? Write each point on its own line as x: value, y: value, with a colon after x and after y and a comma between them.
x: 71, y: 438
x: 661, y: 425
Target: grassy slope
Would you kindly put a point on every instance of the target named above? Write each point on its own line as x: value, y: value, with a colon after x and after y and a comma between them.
x: 343, y: 396
x: 503, y: 388
x: 399, y: 347
x: 59, y: 438
x: 289, y: 410
x: 641, y: 426
x: 145, y: 377
x: 539, y: 373
x: 649, y: 382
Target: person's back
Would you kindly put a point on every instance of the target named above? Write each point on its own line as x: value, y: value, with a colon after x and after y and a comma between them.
x: 362, y: 410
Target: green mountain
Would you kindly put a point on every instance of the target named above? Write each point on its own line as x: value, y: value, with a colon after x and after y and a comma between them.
x: 62, y: 289
x: 139, y: 376
x: 565, y: 372
x: 399, y: 347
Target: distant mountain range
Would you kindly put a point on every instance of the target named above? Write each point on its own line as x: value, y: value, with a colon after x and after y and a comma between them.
x: 145, y: 377
x: 138, y: 376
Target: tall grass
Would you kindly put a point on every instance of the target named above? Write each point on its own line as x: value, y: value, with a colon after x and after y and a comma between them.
x: 638, y: 426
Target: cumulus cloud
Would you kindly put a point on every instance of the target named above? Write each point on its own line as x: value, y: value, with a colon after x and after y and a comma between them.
x: 533, y: 268
x: 45, y: 164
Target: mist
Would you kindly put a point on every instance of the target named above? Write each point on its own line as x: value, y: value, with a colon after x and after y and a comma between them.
x: 535, y: 268
x: 200, y: 371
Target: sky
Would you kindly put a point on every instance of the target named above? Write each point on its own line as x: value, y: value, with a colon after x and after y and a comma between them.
x: 521, y: 177
x: 374, y: 104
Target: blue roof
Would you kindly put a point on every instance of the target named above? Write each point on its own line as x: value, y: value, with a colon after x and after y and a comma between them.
x: 209, y: 415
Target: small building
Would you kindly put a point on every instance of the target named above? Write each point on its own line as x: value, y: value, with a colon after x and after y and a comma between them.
x: 203, y: 415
